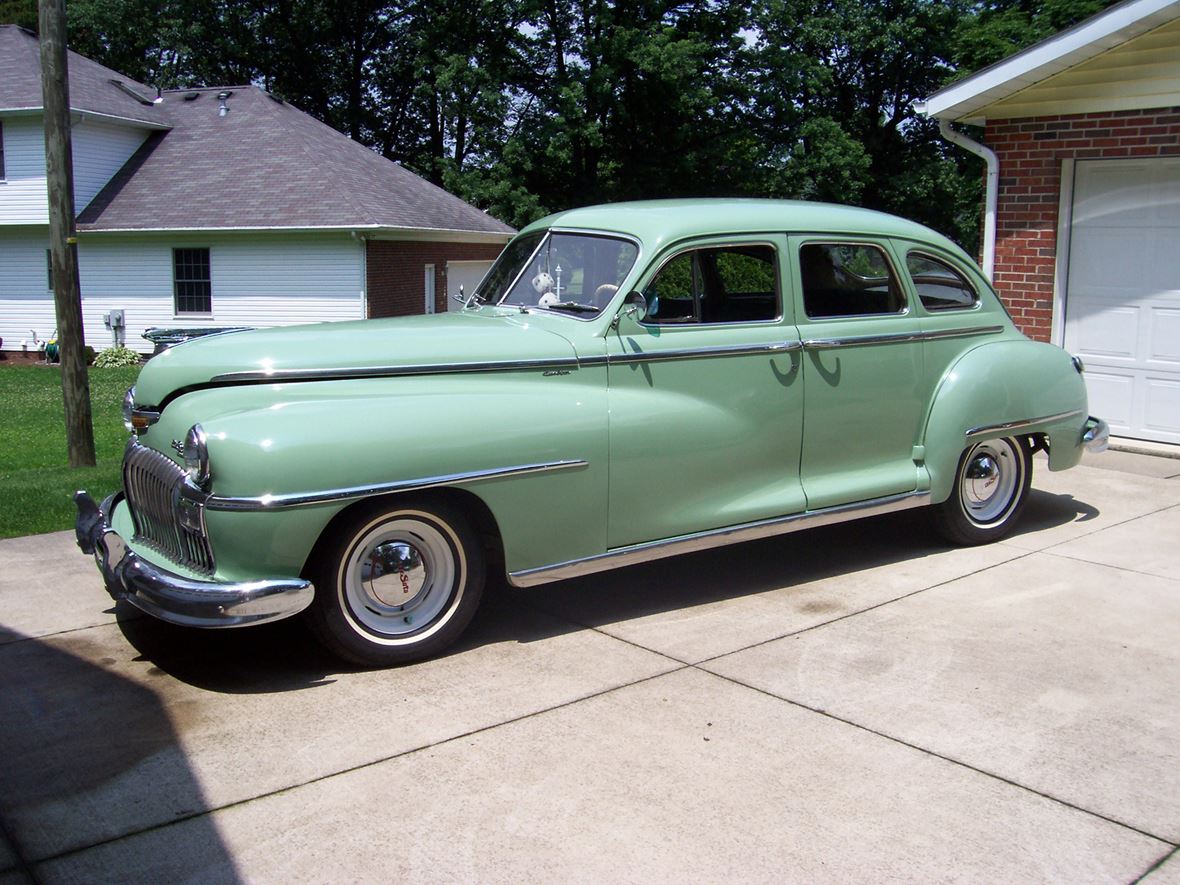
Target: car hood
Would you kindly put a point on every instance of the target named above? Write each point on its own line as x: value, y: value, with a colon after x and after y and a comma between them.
x: 362, y: 347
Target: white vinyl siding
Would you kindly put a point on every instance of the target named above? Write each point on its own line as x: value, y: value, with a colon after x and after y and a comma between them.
x: 26, y: 304
x: 258, y: 280
x: 23, y: 198
x: 100, y: 150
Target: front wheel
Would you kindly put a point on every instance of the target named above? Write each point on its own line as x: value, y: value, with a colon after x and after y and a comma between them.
x: 396, y: 582
x: 990, y: 491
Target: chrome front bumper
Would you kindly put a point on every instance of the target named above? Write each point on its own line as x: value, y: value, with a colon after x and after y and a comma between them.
x: 1095, y: 435
x: 175, y: 598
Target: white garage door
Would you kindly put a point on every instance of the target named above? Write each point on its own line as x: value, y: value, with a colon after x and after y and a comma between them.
x: 465, y: 273
x: 1122, y: 307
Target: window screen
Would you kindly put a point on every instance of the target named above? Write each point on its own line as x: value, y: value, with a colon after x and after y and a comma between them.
x: 939, y: 285
x: 847, y: 279
x: 192, y: 284
x: 729, y: 284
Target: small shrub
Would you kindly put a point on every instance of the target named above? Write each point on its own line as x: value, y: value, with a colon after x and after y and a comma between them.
x: 113, y: 357
x: 90, y: 354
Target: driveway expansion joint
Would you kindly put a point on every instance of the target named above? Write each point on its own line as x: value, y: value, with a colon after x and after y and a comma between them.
x: 180, y: 819
x: 1155, y: 866
x: 1024, y: 554
x: 967, y: 765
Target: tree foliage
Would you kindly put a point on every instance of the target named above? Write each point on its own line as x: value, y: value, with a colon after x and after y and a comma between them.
x: 529, y: 106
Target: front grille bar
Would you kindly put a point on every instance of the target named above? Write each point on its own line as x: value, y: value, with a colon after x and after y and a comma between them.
x: 153, y: 484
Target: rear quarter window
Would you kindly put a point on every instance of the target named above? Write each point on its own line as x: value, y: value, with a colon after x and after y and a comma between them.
x: 939, y: 286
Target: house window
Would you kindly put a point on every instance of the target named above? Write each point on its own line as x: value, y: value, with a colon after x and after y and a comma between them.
x: 1, y: 151
x: 191, y: 282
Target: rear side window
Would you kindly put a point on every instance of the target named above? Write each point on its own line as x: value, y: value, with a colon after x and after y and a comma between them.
x: 847, y: 279
x: 939, y: 285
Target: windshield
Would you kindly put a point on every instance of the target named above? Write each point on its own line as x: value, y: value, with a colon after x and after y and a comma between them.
x: 574, y: 273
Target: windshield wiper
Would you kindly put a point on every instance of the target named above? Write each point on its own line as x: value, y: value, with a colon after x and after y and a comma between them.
x: 571, y: 306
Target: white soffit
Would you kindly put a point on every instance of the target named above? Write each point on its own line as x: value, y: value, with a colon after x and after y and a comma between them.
x: 1126, y: 57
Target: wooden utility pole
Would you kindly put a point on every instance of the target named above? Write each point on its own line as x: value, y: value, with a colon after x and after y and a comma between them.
x: 59, y: 168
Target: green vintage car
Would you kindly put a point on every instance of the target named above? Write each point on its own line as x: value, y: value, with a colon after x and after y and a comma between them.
x: 628, y: 382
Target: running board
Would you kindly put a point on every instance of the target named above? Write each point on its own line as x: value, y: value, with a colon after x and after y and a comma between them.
x: 750, y: 531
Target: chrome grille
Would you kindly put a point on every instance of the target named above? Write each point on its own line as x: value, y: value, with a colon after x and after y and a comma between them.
x: 165, y: 520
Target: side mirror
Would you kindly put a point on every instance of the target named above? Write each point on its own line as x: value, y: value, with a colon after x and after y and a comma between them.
x: 635, y: 306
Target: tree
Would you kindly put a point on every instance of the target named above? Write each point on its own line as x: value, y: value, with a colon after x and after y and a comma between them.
x: 837, y: 82
x: 526, y: 106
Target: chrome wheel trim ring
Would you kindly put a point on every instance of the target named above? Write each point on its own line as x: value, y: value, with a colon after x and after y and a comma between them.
x: 402, y: 579
x: 990, y: 481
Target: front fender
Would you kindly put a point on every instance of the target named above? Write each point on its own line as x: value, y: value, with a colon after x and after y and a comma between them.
x: 1029, y: 385
x: 292, y: 439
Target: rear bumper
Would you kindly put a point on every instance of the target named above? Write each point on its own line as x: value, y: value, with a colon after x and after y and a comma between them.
x: 176, y: 598
x: 1095, y: 435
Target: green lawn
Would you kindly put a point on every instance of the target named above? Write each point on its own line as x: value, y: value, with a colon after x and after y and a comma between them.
x: 36, y: 483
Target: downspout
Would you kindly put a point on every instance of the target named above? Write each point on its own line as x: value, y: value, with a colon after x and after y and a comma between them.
x: 992, y: 196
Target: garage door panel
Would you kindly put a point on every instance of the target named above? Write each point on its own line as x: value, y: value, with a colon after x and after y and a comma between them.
x: 1165, y: 335
x: 1111, y: 396
x: 1110, y: 258
x: 1163, y: 405
x: 1113, y: 196
x: 1122, y: 294
x: 1104, y: 329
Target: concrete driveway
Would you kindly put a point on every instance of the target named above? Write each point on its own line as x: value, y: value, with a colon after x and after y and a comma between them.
x: 857, y: 703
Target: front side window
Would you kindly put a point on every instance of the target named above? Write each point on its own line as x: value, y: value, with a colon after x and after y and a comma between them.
x: 727, y: 284
x: 564, y: 272
x: 191, y: 281
x: 847, y: 279
x: 939, y: 285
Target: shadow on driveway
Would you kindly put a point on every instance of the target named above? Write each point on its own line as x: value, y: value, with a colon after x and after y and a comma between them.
x: 285, y: 657
x: 81, y: 747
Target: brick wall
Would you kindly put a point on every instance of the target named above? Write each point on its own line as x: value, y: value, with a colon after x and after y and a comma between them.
x: 395, y: 280
x: 1030, y: 153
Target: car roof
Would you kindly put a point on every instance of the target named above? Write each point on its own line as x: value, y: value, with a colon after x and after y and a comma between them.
x: 658, y: 222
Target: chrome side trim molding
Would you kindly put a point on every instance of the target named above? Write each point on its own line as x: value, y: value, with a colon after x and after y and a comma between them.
x: 968, y: 332
x: 277, y: 376
x: 698, y: 353
x: 899, y: 337
x: 304, y: 499
x: 766, y: 528
x: 1022, y: 424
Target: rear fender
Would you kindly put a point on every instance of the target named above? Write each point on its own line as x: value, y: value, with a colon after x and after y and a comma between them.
x: 1004, y: 388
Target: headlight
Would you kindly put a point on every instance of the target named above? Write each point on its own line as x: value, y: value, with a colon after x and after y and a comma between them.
x: 128, y: 408
x: 196, y: 455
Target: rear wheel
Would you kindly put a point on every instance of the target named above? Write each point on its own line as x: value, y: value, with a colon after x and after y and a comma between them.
x: 396, y: 582
x: 991, y: 488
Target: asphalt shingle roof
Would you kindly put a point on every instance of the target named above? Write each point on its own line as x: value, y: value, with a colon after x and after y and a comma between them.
x: 92, y: 86
x: 267, y: 164
x: 264, y: 164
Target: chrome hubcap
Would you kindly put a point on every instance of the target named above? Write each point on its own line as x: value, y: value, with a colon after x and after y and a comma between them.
x: 394, y: 574
x: 982, y: 480
x: 991, y: 481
